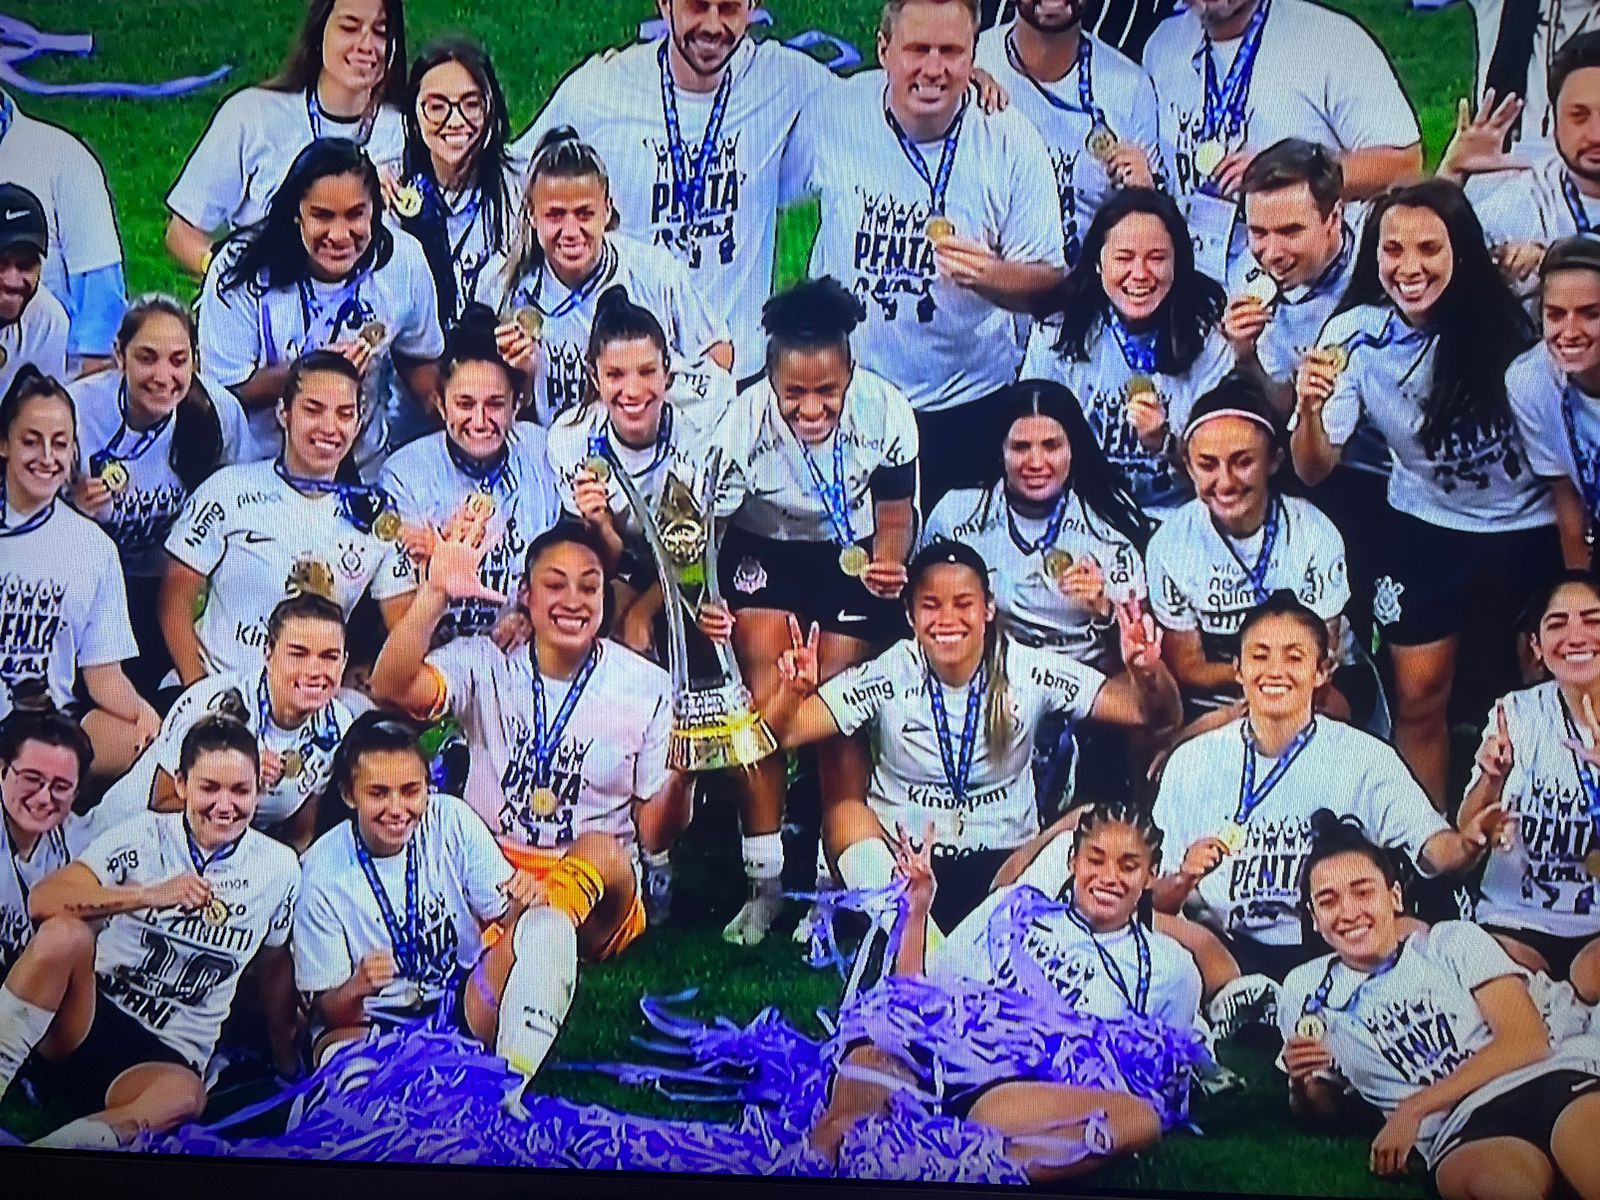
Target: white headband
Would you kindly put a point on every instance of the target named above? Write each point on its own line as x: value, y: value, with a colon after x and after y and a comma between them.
x: 1241, y: 413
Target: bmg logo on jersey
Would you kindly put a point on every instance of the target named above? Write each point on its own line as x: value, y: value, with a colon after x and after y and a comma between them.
x: 865, y: 695
x: 203, y: 523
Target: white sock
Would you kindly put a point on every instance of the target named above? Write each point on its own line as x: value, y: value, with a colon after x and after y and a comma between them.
x: 538, y: 989
x: 656, y: 860
x: 22, y: 1027
x: 763, y: 856
x: 85, y: 1133
x: 866, y: 864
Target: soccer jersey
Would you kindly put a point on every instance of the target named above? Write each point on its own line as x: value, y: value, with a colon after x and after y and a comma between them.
x: 1558, y: 420
x: 250, y: 533
x: 654, y: 280
x: 1539, y: 881
x: 943, y: 345
x: 1392, y: 1033
x: 428, y: 485
x: 1152, y: 478
x: 252, y: 326
x: 139, y: 516
x: 63, y: 605
x: 1063, y: 953
x: 781, y: 482
x: 460, y: 876
x: 1477, y: 481
x: 612, y: 751
x: 22, y: 873
x: 1120, y: 95
x: 176, y: 971
x: 246, y: 151
x: 1013, y: 547
x: 1536, y: 205
x: 1299, y: 313
x: 37, y: 336
x: 1255, y: 892
x: 891, y: 696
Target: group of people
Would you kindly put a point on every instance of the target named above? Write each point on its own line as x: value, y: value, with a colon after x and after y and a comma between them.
x: 1152, y: 476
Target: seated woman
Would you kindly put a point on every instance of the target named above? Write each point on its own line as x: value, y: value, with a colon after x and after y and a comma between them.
x: 1081, y: 953
x: 1473, y: 1063
x: 143, y: 938
x: 71, y: 616
x: 1239, y: 847
x: 293, y: 706
x: 954, y: 711
x: 1541, y: 887
x: 409, y: 908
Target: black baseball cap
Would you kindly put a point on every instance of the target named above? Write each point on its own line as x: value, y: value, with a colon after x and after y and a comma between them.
x: 22, y: 220
x: 1580, y: 252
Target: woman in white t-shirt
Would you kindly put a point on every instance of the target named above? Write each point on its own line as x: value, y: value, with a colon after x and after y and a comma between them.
x: 1479, y: 1068
x: 343, y: 78
x: 142, y: 942
x: 1541, y: 888
x: 565, y: 257
x: 1021, y: 959
x: 63, y: 607
x: 1134, y: 333
x: 323, y: 271
x: 1419, y: 346
x: 954, y: 712
x: 149, y: 433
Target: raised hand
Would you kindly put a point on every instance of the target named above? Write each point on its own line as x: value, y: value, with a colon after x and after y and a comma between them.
x: 913, y: 862
x: 1139, y: 636
x: 1304, y: 1058
x: 1243, y: 322
x: 591, y: 497
x: 1496, y: 756
x: 1147, y: 413
x: 375, y: 972
x: 1202, y: 858
x: 187, y: 891
x: 271, y: 769
x: 91, y: 495
x: 512, y: 631
x: 885, y: 578
x: 519, y: 351
x: 797, y: 666
x: 1478, y: 145
x: 1084, y: 583
x: 1314, y: 381
x: 1128, y: 166
x: 716, y: 621
x: 453, y: 566
x: 1584, y: 745
x: 965, y: 263
x: 1491, y: 826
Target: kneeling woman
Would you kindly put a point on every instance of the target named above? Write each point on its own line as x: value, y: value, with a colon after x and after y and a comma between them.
x: 123, y: 1021
x: 404, y: 907
x: 1472, y: 1062
x: 1083, y: 954
x: 954, y: 711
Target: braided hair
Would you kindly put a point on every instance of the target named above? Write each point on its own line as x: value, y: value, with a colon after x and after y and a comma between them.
x: 1120, y: 812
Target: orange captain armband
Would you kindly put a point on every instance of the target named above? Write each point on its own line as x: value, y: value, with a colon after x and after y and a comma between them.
x: 441, y: 695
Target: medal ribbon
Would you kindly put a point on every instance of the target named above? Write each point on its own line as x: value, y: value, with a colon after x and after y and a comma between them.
x: 1223, y: 114
x: 488, y: 473
x: 406, y: 939
x: 1251, y: 796
x: 957, y: 769
x: 546, y: 738
x: 1138, y: 349
x: 314, y: 116
x: 689, y: 174
x: 939, y: 181
x: 1569, y: 193
x: 832, y: 494
x: 309, y: 736
x: 1052, y: 528
x: 1085, y: 68
x: 600, y: 444
x: 1318, y: 1000
x: 1257, y: 573
x: 1347, y: 246
x: 142, y: 443
x: 8, y: 114
x: 28, y: 525
x: 1137, y: 1000
x: 604, y: 268
x: 198, y: 857
x: 1582, y: 457
x: 345, y: 306
x: 359, y: 503
x: 1586, y: 775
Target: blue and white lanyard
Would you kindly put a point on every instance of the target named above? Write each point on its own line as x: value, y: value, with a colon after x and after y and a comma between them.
x: 405, y: 938
x: 8, y: 114
x: 1386, y: 337
x: 1223, y: 114
x: 1138, y: 349
x: 1139, y: 998
x: 1331, y: 273
x: 604, y: 268
x: 486, y: 474
x: 1052, y: 529
x: 372, y: 498
x: 1251, y: 796
x: 1569, y: 193
x: 345, y: 307
x: 1257, y: 573
x: 141, y: 444
x: 1318, y: 1000
x: 957, y: 768
x: 1583, y: 460
x: 547, y: 738
x: 689, y: 174
x: 938, y: 180
x: 314, y: 116
x: 323, y: 729
x: 198, y: 856
x: 599, y: 444
x: 1586, y: 775
x: 832, y: 494
x: 1085, y: 68
x: 28, y: 525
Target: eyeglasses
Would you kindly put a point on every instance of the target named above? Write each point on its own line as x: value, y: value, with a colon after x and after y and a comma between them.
x: 437, y: 109
x: 33, y: 782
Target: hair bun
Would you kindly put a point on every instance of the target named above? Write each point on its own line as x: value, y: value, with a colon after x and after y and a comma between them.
x: 230, y: 704
x: 472, y: 334
x: 32, y: 695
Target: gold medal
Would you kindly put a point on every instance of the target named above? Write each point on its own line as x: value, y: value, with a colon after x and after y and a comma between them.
x: 1591, y: 864
x: 1336, y: 357
x: 408, y: 201
x: 543, y: 801
x: 1101, y: 142
x: 1055, y: 562
x: 599, y: 466
x: 115, y: 476
x: 1208, y: 156
x: 854, y: 561
x: 373, y: 333
x: 387, y: 526
x: 4, y: 355
x: 1262, y: 288
x: 530, y: 320
x: 1232, y: 835
x: 215, y: 914
x: 1311, y: 1026
x: 939, y: 229
x: 478, y: 506
x: 1141, y: 385
x: 291, y: 763
x: 312, y: 575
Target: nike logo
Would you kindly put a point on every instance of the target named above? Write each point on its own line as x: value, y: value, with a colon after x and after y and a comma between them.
x: 848, y: 616
x: 16, y: 216
x: 252, y: 538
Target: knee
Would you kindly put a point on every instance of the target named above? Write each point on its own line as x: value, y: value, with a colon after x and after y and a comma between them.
x: 1585, y: 973
x: 1134, y: 1125
x: 1421, y: 699
x: 846, y: 821
x: 63, y: 938
x: 605, y: 854
x: 1489, y: 1181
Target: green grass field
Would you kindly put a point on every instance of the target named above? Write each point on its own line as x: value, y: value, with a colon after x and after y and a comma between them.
x: 1249, y: 1144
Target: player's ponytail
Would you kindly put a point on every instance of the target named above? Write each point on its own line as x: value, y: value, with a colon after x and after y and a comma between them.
x: 619, y: 319
x: 35, y: 718
x: 998, y: 725
x: 215, y: 732
x: 560, y: 154
x: 1333, y: 835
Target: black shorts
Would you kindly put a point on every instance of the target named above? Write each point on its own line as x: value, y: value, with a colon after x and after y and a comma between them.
x: 1528, y: 1112
x: 1263, y: 958
x: 1558, y: 952
x: 804, y: 578
x: 115, y: 1043
x: 964, y: 880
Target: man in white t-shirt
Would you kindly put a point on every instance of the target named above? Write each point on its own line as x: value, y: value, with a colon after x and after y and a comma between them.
x: 1235, y: 76
x: 692, y: 130
x: 85, y: 272
x: 33, y: 325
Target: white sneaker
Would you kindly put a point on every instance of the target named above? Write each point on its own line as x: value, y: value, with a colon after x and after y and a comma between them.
x: 1247, y: 1000
x: 750, y: 924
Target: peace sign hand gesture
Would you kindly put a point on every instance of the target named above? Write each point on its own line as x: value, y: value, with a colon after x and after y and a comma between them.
x: 797, y: 666
x: 458, y: 552
x: 1476, y: 147
x: 1584, y: 744
x: 913, y: 862
x: 1140, y: 637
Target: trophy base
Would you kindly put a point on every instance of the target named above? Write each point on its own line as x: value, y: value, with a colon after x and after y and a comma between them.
x: 715, y: 728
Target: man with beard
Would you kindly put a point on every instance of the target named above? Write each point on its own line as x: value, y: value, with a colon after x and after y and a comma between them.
x: 1094, y: 107
x: 33, y: 325
x: 1125, y: 24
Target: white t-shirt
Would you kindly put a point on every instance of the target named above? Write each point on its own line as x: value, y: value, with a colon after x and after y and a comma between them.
x: 20, y: 874
x: 246, y: 530
x: 243, y: 330
x: 1479, y: 483
x: 62, y: 603
x: 943, y: 345
x: 1540, y: 882
x: 1300, y: 312
x: 460, y: 877
x: 654, y: 279
x: 1064, y: 954
x: 1537, y: 205
x: 765, y: 463
x: 140, y: 516
x: 1418, y: 1022
x: 1100, y: 384
x: 1557, y: 22
x: 246, y: 151
x: 427, y: 485
x: 1034, y: 608
x: 612, y: 751
x: 1536, y: 387
x: 1120, y: 90
x: 1256, y: 892
x: 38, y: 336
x: 890, y: 694
x: 174, y: 971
